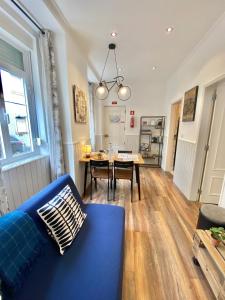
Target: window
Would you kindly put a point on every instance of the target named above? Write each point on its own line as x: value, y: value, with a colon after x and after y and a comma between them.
x: 18, y: 122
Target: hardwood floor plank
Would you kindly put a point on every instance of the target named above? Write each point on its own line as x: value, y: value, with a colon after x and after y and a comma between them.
x: 158, y: 240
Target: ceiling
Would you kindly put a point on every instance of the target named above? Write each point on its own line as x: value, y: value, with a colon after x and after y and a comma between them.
x: 142, y: 41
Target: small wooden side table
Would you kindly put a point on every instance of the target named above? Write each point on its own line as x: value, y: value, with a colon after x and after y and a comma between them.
x: 211, y: 260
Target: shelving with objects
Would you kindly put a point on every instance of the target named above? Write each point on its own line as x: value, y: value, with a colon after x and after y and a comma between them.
x: 151, y: 139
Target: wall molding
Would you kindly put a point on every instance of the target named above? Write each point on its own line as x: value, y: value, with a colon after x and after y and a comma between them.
x: 76, y: 142
x: 187, y: 141
x: 136, y: 135
x: 26, y: 180
x: 184, y: 166
x: 71, y: 143
x: 126, y: 134
x: 23, y: 162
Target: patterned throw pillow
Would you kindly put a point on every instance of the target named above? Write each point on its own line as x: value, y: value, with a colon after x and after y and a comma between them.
x: 63, y: 217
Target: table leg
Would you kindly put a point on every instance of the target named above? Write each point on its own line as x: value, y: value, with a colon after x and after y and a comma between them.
x: 85, y: 176
x: 137, y: 171
x: 195, y: 261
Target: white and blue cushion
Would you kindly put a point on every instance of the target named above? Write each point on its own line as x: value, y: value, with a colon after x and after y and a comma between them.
x: 63, y: 217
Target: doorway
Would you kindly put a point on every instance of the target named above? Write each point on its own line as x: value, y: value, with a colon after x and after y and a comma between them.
x: 174, y: 133
x: 214, y: 159
x: 114, y: 128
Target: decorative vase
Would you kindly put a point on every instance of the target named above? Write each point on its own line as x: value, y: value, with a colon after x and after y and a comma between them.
x: 215, y: 242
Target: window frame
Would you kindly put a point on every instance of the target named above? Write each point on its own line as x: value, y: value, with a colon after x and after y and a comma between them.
x: 27, y: 76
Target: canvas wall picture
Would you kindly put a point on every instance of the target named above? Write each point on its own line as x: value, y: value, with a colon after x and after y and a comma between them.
x: 190, y: 101
x: 80, y: 105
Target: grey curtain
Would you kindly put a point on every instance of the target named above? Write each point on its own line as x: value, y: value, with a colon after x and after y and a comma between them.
x: 4, y: 204
x: 51, y: 104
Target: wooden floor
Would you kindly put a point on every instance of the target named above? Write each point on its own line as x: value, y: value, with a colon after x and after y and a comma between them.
x: 158, y: 240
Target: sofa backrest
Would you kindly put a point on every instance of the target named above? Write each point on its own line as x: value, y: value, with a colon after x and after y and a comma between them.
x: 31, y: 205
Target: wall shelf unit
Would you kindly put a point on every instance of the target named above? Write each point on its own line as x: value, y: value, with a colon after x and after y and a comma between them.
x: 151, y: 139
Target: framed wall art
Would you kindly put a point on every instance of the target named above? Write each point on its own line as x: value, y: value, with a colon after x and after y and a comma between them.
x: 190, y: 101
x: 80, y: 105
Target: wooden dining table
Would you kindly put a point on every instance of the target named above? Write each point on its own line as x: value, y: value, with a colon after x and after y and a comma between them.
x: 136, y: 158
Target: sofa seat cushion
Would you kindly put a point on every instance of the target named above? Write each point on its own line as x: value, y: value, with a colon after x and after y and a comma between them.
x: 90, y: 269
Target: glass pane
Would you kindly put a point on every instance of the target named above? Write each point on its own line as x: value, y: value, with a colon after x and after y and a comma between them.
x: 2, y: 150
x: 17, y: 113
x: 13, y: 88
x: 11, y: 55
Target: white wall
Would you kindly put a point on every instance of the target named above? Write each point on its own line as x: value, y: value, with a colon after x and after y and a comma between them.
x: 71, y: 64
x: 72, y: 69
x: 205, y: 64
x: 146, y: 99
x: 77, y: 74
x: 10, y: 25
x: 26, y: 178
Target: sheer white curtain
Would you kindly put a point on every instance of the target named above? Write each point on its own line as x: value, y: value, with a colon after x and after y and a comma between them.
x: 51, y: 104
x: 4, y: 204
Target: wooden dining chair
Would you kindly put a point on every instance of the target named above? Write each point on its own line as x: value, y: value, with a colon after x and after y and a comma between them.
x: 101, y: 169
x: 125, y: 151
x: 123, y: 170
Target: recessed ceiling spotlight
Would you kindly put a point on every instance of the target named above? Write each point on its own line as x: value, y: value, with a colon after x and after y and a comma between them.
x: 169, y: 29
x: 154, y: 68
x: 113, y: 34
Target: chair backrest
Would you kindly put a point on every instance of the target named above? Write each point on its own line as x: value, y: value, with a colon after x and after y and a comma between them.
x: 125, y: 151
x: 99, y: 163
x: 123, y: 164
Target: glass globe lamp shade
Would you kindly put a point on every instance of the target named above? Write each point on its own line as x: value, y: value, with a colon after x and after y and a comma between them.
x: 124, y: 92
x: 101, y: 91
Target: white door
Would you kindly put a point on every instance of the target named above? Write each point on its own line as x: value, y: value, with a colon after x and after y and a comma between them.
x: 114, y: 127
x: 215, y: 162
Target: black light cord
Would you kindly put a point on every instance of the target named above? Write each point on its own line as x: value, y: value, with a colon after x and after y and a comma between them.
x: 105, y: 65
x: 28, y: 16
x: 117, y: 72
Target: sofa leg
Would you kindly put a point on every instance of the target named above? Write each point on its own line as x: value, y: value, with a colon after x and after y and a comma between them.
x: 91, y: 190
x: 131, y: 190
x: 114, y: 189
x: 108, y: 191
x: 195, y: 261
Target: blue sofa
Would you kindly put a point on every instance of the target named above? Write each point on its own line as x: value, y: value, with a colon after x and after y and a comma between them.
x: 92, y: 268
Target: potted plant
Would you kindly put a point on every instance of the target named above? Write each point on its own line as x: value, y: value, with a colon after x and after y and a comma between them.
x: 217, y: 234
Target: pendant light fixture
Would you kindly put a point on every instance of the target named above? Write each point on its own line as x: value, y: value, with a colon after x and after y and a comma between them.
x: 103, y: 89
